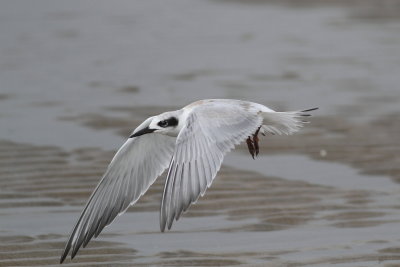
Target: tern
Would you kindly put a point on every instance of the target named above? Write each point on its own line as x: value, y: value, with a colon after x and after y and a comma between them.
x: 191, y: 143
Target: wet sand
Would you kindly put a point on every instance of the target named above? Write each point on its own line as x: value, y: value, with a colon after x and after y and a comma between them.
x: 246, y: 217
x: 328, y: 195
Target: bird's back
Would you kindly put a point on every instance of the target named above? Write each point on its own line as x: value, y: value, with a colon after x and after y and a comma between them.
x: 229, y: 103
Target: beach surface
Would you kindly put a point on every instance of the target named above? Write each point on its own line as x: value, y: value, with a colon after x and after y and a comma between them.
x: 78, y: 76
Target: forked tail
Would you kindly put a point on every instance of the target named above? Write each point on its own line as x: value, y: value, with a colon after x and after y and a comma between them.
x: 284, y: 122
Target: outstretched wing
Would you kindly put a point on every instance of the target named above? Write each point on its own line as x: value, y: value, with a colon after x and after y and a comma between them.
x: 210, y: 132
x: 133, y: 169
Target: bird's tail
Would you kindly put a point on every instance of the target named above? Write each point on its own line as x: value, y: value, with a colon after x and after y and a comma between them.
x: 284, y: 122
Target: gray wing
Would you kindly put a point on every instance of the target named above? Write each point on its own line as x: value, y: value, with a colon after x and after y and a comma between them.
x: 133, y: 169
x: 210, y: 132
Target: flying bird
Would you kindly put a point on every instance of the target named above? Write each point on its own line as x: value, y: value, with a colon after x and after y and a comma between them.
x: 191, y: 143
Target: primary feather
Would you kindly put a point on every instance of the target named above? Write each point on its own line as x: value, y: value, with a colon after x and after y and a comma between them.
x: 133, y: 169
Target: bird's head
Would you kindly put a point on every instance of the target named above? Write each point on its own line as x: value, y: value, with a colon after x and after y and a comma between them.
x: 167, y: 123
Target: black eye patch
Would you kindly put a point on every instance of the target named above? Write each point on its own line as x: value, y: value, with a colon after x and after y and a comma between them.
x: 169, y: 122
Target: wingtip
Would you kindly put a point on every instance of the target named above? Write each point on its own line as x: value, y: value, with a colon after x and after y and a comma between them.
x: 162, y: 225
x: 73, y: 253
x: 171, y: 220
x: 165, y: 224
x: 65, y: 253
x: 311, y: 109
x: 170, y: 225
x: 64, y: 256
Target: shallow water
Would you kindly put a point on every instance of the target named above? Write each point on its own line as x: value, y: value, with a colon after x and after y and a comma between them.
x: 78, y: 77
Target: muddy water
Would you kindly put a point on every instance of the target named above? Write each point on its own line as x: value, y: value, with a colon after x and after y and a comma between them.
x: 77, y: 77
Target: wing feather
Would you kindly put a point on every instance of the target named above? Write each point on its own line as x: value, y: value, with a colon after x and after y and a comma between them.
x: 209, y: 133
x: 133, y: 169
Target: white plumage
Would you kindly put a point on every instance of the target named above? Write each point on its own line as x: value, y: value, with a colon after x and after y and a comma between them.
x: 193, y: 141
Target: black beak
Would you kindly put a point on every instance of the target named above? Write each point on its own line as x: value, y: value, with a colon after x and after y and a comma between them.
x: 142, y: 132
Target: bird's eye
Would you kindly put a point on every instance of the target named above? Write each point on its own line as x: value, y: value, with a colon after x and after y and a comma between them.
x: 163, y: 123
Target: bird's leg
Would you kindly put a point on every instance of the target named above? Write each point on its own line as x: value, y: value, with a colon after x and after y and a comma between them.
x: 255, y: 141
x: 250, y: 145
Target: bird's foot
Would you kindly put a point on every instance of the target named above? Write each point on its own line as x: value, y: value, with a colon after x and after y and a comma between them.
x: 255, y: 142
x: 250, y: 146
